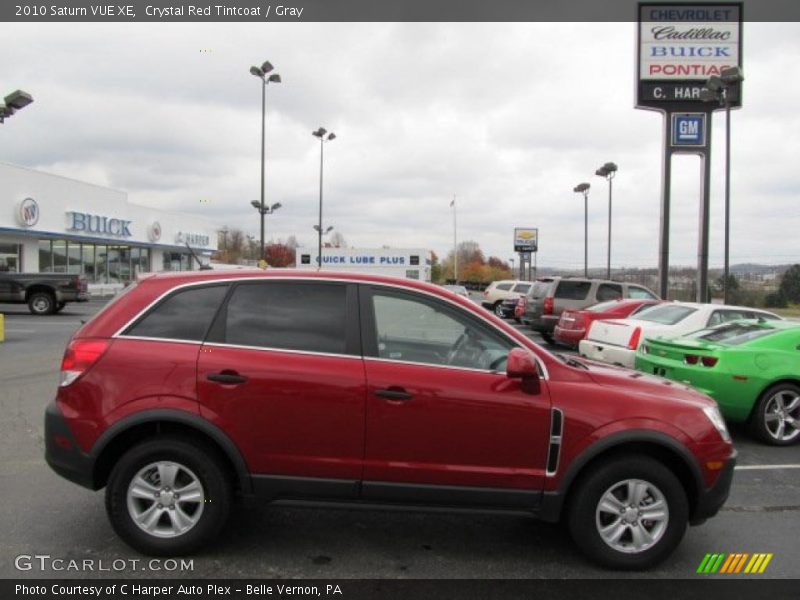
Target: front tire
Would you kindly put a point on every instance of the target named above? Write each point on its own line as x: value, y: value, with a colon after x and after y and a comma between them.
x: 628, y: 513
x: 776, y: 418
x: 168, y: 496
x: 42, y: 303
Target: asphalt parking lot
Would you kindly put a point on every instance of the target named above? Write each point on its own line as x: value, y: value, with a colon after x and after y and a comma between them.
x: 43, y: 514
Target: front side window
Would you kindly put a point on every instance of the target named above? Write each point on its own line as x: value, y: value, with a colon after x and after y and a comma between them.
x: 185, y: 315
x: 415, y: 329
x: 309, y: 317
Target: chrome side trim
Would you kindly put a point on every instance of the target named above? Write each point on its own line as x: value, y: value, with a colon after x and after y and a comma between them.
x: 286, y: 350
x: 435, y: 366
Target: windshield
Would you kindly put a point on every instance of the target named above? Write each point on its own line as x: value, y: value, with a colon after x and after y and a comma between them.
x: 666, y: 315
x: 733, y: 334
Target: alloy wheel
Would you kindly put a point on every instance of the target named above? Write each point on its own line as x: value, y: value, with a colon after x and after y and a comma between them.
x: 632, y: 516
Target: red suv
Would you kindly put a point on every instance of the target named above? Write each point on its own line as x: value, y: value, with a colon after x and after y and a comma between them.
x: 191, y: 388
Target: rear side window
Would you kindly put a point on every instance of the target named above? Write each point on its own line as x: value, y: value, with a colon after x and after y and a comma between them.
x: 522, y: 288
x: 609, y: 291
x: 573, y: 290
x: 310, y: 317
x: 504, y: 286
x: 185, y: 315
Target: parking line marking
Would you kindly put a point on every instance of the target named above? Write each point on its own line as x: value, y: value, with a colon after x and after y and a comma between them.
x: 764, y: 467
x: 20, y: 331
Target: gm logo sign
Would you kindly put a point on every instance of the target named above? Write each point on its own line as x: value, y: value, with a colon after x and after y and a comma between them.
x: 689, y: 129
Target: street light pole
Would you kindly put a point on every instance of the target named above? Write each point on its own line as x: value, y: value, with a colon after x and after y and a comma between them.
x: 320, y: 133
x: 261, y: 73
x: 583, y: 188
x: 608, y: 170
x: 718, y: 89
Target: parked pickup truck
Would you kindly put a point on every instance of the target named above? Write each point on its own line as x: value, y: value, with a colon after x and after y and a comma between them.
x: 44, y: 293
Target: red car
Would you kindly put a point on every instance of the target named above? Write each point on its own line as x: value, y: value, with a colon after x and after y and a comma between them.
x: 574, y: 324
x: 192, y: 388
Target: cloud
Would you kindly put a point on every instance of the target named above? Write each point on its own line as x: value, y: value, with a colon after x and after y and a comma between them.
x: 507, y: 116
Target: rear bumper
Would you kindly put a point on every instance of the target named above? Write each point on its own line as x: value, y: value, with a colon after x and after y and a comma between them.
x: 571, y: 337
x: 62, y: 452
x: 542, y: 323
x: 613, y: 355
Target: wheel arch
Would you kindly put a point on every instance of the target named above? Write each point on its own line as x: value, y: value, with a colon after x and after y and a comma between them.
x: 147, y: 424
x: 40, y: 287
x: 788, y: 379
x: 659, y: 446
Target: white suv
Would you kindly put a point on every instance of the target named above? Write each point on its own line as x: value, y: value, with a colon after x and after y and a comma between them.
x: 498, y: 291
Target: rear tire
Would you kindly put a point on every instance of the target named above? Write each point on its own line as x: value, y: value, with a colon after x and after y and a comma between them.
x: 42, y: 303
x: 776, y: 417
x: 168, y: 496
x: 607, y: 516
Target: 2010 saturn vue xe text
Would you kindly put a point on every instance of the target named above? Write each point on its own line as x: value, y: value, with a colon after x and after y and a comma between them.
x: 191, y: 388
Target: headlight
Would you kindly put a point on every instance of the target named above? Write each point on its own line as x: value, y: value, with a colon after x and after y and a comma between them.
x: 713, y: 414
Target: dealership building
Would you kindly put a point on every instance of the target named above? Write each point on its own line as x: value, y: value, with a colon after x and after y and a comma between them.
x: 50, y: 223
x: 410, y: 263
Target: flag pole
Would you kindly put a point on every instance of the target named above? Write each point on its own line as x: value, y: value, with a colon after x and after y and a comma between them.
x: 455, y: 242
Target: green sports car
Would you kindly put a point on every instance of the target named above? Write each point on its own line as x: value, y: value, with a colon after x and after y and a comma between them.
x: 751, y: 368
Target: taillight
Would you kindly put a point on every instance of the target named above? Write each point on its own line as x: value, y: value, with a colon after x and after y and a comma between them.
x: 548, y: 306
x: 79, y: 357
x: 706, y: 361
x: 709, y: 361
x: 691, y: 359
x: 633, y: 343
x: 579, y: 322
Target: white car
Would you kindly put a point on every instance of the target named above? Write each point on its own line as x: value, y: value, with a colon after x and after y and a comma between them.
x: 506, y: 289
x: 615, y: 341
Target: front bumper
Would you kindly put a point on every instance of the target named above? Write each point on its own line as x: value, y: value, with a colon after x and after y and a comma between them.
x: 62, y: 452
x: 711, y: 499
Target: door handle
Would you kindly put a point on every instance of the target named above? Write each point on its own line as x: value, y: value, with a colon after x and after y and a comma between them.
x: 229, y: 377
x: 397, y: 394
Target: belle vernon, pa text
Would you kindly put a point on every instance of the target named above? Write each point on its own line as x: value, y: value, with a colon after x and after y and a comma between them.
x: 165, y: 591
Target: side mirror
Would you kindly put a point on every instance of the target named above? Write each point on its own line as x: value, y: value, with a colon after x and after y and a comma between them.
x: 521, y: 365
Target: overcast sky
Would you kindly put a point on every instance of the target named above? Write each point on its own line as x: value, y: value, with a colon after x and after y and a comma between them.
x: 508, y: 117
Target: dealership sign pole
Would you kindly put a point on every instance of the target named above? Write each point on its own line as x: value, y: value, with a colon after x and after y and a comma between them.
x: 679, y: 47
x: 526, y: 242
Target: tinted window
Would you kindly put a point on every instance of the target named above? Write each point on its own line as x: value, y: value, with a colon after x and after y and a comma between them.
x: 573, y: 290
x: 504, y: 286
x: 185, y: 315
x: 292, y: 316
x: 417, y: 330
x: 666, y: 315
x: 640, y: 293
x: 609, y: 291
x: 522, y: 288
